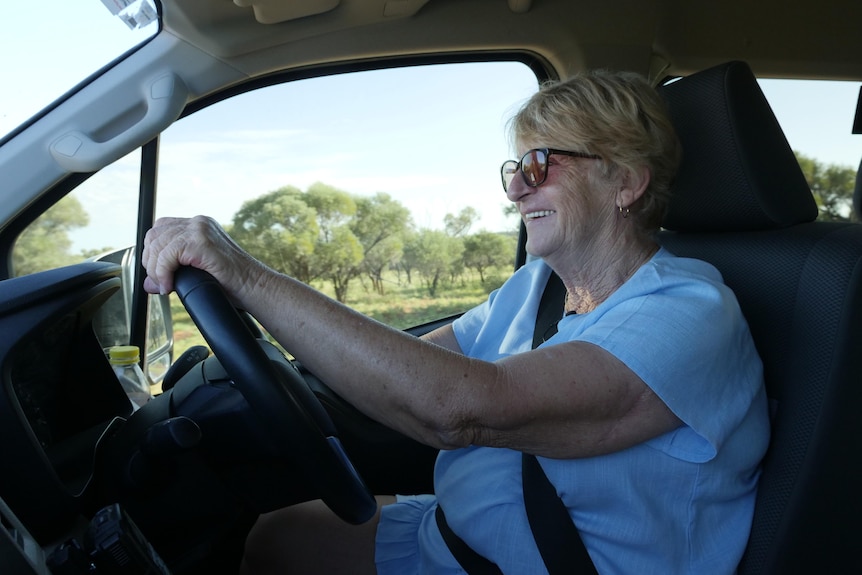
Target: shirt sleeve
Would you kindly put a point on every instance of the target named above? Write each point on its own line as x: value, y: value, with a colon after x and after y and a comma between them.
x: 503, y: 325
x: 686, y: 338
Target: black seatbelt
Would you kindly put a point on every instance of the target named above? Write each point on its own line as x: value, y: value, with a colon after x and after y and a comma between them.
x: 472, y: 562
x: 550, y: 310
x: 556, y: 535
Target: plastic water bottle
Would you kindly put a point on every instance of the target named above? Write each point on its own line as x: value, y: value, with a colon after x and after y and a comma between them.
x: 124, y: 359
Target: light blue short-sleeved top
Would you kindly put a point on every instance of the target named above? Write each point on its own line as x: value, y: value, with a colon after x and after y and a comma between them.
x: 681, y: 503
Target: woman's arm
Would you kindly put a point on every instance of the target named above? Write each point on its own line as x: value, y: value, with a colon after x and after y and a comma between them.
x: 568, y: 400
x: 444, y: 337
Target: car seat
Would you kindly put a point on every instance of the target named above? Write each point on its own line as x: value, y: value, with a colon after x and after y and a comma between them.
x: 741, y: 202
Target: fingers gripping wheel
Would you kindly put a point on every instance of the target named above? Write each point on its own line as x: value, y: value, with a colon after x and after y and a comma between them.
x: 281, y: 398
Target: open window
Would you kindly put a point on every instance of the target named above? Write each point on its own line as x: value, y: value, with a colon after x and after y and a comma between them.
x: 817, y: 118
x: 380, y: 188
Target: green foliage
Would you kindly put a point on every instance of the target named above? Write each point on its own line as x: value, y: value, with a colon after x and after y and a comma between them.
x: 458, y: 225
x: 304, y: 234
x: 434, y: 254
x: 832, y: 186
x: 45, y: 243
x: 280, y: 229
x: 338, y: 259
x: 328, y: 234
x: 381, y: 225
x: 485, y: 250
x: 334, y: 208
x: 92, y: 253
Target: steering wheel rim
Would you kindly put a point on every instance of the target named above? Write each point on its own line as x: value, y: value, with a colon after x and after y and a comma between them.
x: 281, y: 398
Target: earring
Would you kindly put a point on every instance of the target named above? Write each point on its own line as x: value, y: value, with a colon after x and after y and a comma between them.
x: 623, y: 211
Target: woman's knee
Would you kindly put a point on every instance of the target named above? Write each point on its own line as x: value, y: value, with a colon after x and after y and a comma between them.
x: 309, y: 538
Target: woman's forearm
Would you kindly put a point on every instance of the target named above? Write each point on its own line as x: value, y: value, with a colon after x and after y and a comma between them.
x: 411, y: 385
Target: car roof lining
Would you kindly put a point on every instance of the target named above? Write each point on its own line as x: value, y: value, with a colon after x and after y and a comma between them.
x: 657, y: 37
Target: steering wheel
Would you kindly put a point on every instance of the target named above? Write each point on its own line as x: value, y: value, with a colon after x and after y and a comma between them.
x: 279, y: 397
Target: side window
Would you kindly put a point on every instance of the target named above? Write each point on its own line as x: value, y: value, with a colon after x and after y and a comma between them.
x: 98, y: 221
x: 380, y: 188
x: 817, y: 118
x: 98, y: 217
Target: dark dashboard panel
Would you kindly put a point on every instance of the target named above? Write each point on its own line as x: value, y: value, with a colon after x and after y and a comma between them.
x: 58, y: 392
x: 53, y: 375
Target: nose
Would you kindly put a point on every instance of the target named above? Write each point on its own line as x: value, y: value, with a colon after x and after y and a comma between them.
x: 518, y: 188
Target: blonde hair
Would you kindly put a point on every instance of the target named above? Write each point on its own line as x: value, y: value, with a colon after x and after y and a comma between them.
x: 616, y: 115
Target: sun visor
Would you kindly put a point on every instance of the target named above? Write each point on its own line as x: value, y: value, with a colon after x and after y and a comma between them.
x: 274, y: 11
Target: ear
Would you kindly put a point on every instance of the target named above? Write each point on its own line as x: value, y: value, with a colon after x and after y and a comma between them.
x: 634, y: 185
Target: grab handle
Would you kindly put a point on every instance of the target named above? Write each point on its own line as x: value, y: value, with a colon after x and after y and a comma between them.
x: 79, y: 152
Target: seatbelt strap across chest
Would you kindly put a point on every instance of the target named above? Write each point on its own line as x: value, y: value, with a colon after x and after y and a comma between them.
x: 555, y: 533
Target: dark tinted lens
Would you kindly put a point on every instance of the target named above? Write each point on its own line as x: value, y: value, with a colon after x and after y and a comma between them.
x: 534, y: 165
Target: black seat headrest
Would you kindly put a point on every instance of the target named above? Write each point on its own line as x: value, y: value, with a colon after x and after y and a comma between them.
x: 857, y: 193
x: 738, y: 172
x: 857, y: 190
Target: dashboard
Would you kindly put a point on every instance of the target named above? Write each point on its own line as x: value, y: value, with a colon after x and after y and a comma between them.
x: 58, y: 396
x: 72, y: 446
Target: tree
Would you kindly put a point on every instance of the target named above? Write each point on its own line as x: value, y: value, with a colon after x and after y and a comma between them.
x: 95, y: 252
x: 304, y: 234
x: 337, y: 252
x: 380, y: 225
x: 338, y: 258
x: 832, y: 186
x: 279, y: 229
x: 458, y: 225
x: 45, y: 243
x: 512, y: 210
x: 409, y: 255
x: 486, y: 250
x: 334, y: 208
x: 432, y: 254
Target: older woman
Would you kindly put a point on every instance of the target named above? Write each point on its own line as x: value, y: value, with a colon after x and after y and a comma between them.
x: 646, y: 408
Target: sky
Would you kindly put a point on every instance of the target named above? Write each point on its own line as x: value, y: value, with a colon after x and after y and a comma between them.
x: 63, y: 48
x: 49, y: 46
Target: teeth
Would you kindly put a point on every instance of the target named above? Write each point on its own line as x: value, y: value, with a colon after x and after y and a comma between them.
x: 540, y: 214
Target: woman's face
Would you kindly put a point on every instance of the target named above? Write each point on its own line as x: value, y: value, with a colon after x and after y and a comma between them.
x: 565, y: 214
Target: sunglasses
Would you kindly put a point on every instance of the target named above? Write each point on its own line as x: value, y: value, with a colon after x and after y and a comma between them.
x: 534, y: 166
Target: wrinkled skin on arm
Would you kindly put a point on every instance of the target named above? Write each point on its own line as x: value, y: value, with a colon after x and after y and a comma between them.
x: 564, y: 401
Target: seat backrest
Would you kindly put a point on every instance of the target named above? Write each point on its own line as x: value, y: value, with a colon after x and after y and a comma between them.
x: 741, y: 202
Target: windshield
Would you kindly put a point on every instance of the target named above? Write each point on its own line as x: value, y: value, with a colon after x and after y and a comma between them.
x: 48, y: 47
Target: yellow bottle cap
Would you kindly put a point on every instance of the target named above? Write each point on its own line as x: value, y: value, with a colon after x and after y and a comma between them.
x: 124, y: 354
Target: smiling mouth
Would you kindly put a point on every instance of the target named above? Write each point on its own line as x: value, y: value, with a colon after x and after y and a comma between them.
x: 536, y: 215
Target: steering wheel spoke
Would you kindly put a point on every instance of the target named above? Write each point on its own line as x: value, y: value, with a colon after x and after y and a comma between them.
x: 279, y: 396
